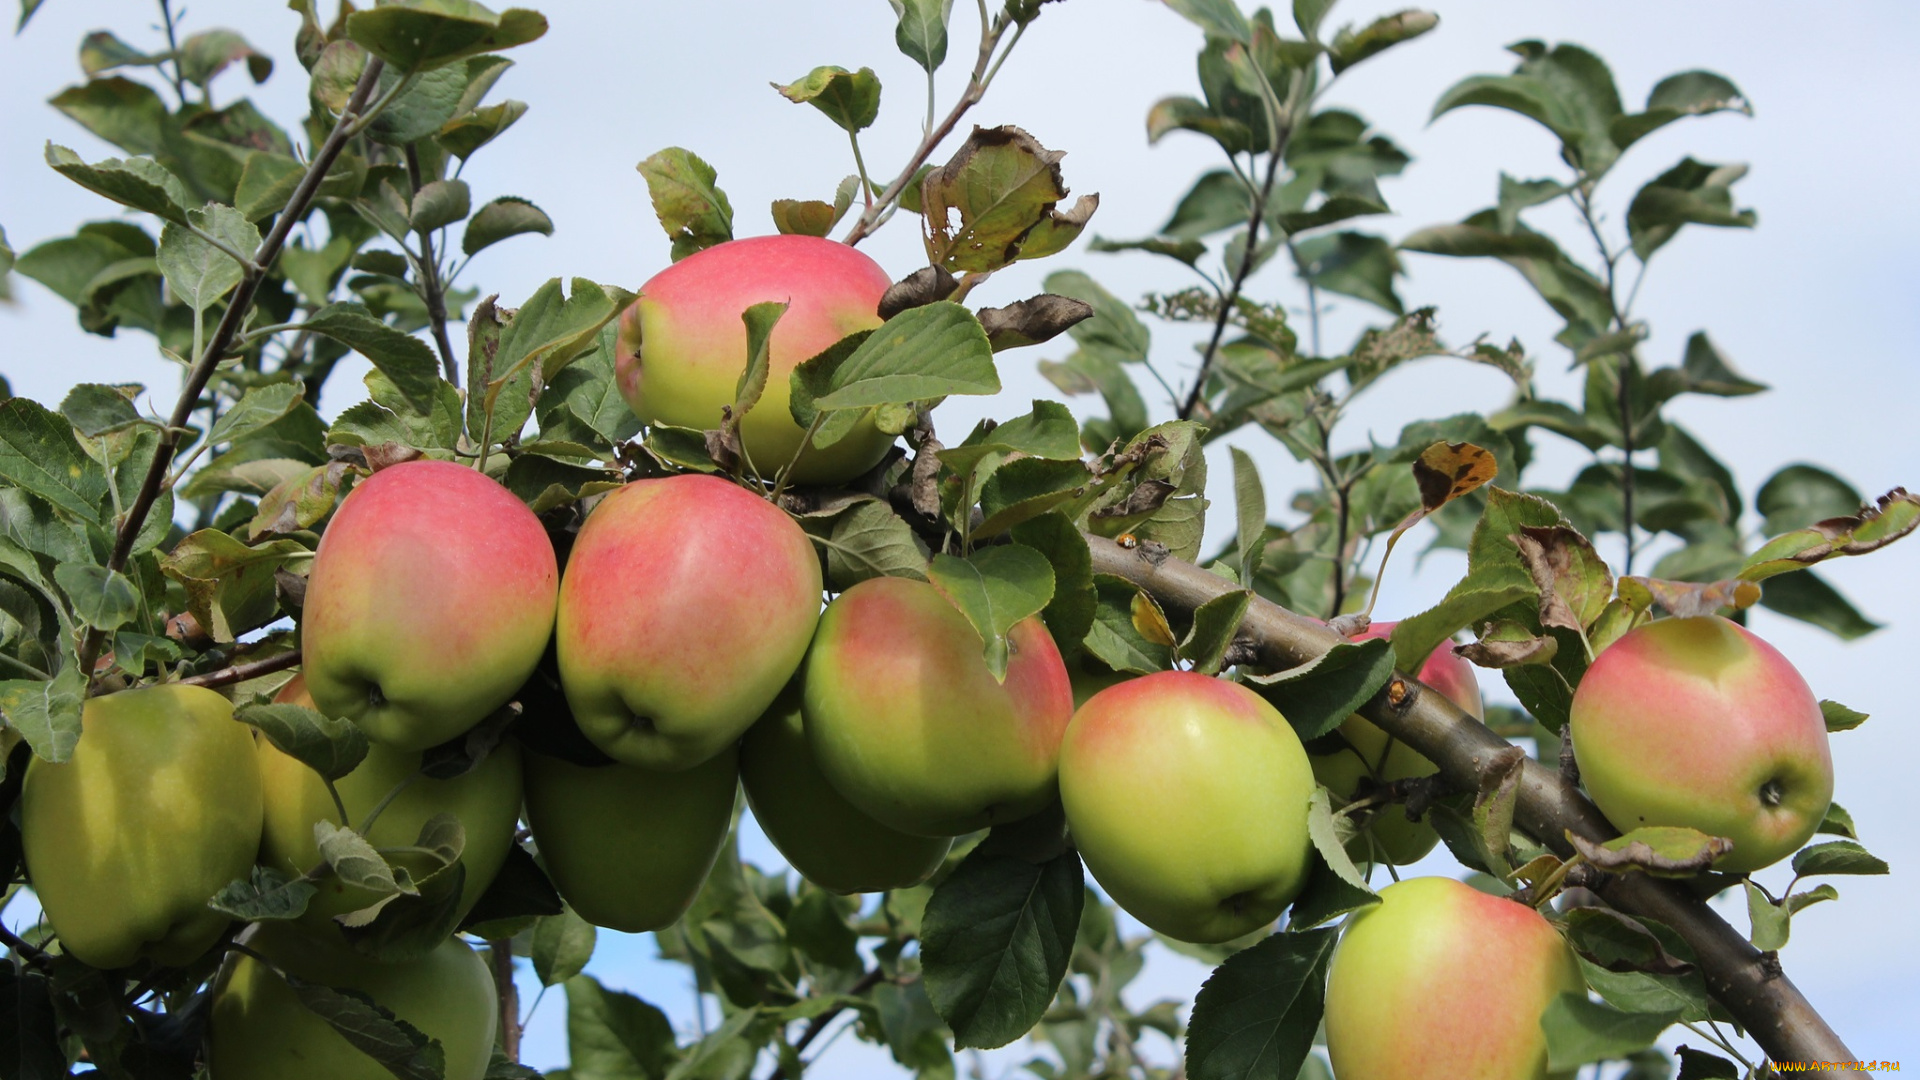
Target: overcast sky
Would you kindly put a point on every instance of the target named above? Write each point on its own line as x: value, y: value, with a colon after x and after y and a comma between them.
x: 1818, y: 301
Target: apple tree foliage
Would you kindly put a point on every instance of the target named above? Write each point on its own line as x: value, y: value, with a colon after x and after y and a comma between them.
x: 139, y: 548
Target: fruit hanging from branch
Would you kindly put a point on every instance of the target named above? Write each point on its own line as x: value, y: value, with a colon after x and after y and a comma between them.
x: 1699, y: 723
x: 157, y: 809
x: 907, y: 721
x: 687, y: 605
x: 682, y: 344
x: 430, y: 602
x: 1187, y: 796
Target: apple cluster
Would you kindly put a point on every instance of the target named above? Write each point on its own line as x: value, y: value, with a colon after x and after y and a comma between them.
x: 695, y: 658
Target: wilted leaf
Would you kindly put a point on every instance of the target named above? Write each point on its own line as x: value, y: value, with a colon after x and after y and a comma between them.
x: 1663, y: 851
x: 694, y: 212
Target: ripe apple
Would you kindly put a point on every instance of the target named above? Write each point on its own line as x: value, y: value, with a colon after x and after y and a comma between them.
x: 261, y: 1031
x: 687, y: 605
x: 1187, y: 797
x: 486, y: 800
x: 683, y: 346
x: 1698, y: 723
x: 1444, y: 982
x: 630, y: 847
x: 430, y: 601
x: 822, y: 836
x: 1371, y: 753
x: 157, y: 810
x: 907, y: 722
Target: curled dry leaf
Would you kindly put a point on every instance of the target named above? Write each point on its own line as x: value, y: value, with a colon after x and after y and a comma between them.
x: 1497, y: 653
x: 389, y: 453
x: 1662, y: 851
x: 927, y: 285
x: 1892, y: 516
x: 1032, y: 321
x: 1574, y: 581
x: 1445, y: 471
x: 1146, y: 498
x: 1688, y: 599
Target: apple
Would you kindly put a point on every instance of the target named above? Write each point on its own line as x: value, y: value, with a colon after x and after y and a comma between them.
x: 1699, y: 723
x: 261, y: 1031
x: 1444, y: 982
x: 683, y: 346
x: 157, y: 810
x: 430, y: 601
x: 1187, y: 796
x: 630, y: 847
x: 908, y: 723
x: 688, y: 603
x: 486, y: 800
x: 1370, y: 752
x: 822, y: 836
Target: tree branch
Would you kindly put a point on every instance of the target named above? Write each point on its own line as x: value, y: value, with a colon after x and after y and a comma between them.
x: 1749, y: 984
x: 237, y: 307
x: 432, y: 292
x: 819, y: 1023
x: 239, y: 673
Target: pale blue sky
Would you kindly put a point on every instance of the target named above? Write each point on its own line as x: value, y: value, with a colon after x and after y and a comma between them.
x: 1817, y: 301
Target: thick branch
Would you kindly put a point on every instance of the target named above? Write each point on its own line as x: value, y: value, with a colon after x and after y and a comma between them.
x: 1741, y: 978
x: 237, y: 307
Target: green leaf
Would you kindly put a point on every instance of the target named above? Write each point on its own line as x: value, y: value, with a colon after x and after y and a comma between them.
x: 138, y: 182
x: 100, y: 51
x: 374, y: 1030
x: 1807, y: 596
x: 614, y: 1035
x: 848, y: 98
x: 1115, y: 639
x: 408, y: 361
x: 207, y: 54
x: 420, y: 35
x: 1837, y: 857
x: 1257, y: 1013
x: 1250, y: 511
x: 1004, y: 188
x: 1841, y: 718
x: 544, y: 335
x: 422, y: 109
x: 1069, y: 615
x: 1689, y: 93
x: 1352, y: 264
x: 921, y: 353
x: 355, y: 861
x: 1329, y: 844
x: 440, y: 203
x: 694, y: 212
x: 1580, y: 1030
x: 1770, y: 923
x: 256, y: 409
x: 1114, y: 331
x: 760, y: 320
x: 995, y: 588
x: 266, y: 894
x: 46, y: 713
x: 1027, y: 488
x: 464, y: 135
x: 1701, y: 1065
x: 1219, y: 18
x: 1047, y: 431
x: 229, y: 585
x: 1349, y: 48
x: 1317, y: 697
x: 995, y: 942
x: 95, y: 410
x: 1566, y: 89
x: 1214, y: 625
x: 330, y: 746
x: 1800, y: 495
x: 922, y: 31
x: 198, y: 272
x: 1187, y: 251
x: 562, y: 945
x: 39, y: 453
x: 101, y: 597
x: 868, y: 541
x: 1690, y: 193
x: 805, y: 217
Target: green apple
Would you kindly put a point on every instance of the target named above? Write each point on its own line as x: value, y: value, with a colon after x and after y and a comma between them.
x: 430, y: 601
x: 630, y: 847
x: 1370, y: 752
x: 822, y: 836
x: 1699, y: 723
x: 157, y: 810
x: 683, y: 346
x: 486, y: 800
x: 261, y: 1031
x: 688, y: 603
x: 908, y: 723
x: 1444, y: 982
x: 1187, y: 796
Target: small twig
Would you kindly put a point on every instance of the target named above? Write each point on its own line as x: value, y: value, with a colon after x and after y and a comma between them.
x: 238, y: 673
x: 431, y: 291
x: 33, y: 954
x: 238, y: 306
x: 819, y: 1023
